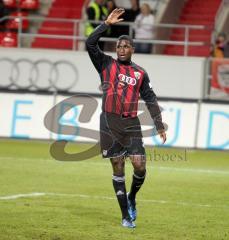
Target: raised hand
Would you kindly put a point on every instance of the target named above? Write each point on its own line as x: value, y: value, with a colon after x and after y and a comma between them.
x: 114, y: 16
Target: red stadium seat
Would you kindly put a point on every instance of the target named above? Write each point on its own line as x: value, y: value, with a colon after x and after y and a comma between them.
x: 8, y: 39
x: 10, y: 3
x: 29, y: 4
x: 195, y: 12
x: 13, y: 24
x: 1, y: 36
x: 68, y: 9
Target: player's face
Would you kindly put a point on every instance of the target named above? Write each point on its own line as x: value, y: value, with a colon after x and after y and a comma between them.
x: 124, y: 50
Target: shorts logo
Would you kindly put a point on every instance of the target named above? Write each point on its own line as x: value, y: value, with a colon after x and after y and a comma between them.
x: 129, y: 80
x: 104, y: 152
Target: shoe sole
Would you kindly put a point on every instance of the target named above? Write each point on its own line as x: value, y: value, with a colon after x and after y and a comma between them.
x: 129, y: 226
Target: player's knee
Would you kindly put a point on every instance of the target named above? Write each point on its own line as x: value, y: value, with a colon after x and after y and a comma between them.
x: 139, y: 163
x: 118, y: 165
x: 140, y: 172
x: 139, y: 168
x: 117, y: 161
x: 118, y: 170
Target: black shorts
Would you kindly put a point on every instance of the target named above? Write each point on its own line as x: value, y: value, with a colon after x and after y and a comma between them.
x: 120, y: 136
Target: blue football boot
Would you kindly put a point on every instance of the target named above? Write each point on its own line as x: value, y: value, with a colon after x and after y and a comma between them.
x: 128, y: 223
x: 132, y: 208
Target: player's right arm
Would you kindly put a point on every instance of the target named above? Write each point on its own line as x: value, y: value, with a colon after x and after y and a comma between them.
x: 98, y: 58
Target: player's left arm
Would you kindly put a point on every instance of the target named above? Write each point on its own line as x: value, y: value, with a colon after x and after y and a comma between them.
x: 150, y: 98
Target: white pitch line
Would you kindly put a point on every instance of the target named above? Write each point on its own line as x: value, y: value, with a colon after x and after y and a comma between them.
x: 181, y: 169
x: 194, y: 170
x: 11, y: 197
x: 37, y: 194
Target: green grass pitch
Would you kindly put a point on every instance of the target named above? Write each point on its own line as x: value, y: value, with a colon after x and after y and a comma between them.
x: 182, y: 199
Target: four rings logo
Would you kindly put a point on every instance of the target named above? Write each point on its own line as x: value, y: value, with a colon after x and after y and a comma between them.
x: 126, y: 79
x: 40, y: 74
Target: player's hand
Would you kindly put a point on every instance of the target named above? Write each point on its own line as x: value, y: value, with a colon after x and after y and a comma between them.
x: 114, y: 16
x: 162, y: 136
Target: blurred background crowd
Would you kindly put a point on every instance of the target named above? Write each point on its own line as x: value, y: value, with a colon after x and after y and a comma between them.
x: 139, y: 14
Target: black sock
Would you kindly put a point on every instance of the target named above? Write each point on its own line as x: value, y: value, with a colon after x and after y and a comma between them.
x: 120, y: 190
x: 138, y: 180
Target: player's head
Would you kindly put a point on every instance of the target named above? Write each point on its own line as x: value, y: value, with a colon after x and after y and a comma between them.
x: 221, y: 40
x: 124, y: 48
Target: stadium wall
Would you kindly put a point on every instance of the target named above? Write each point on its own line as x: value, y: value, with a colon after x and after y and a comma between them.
x: 22, y: 116
x: 191, y: 123
x: 171, y: 77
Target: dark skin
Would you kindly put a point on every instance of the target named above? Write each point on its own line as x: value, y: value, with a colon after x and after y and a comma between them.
x: 124, y: 49
x: 124, y: 52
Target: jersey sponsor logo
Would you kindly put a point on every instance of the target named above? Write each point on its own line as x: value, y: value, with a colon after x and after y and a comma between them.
x: 126, y: 79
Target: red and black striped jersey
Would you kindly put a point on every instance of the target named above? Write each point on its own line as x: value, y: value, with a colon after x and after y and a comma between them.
x: 122, y: 82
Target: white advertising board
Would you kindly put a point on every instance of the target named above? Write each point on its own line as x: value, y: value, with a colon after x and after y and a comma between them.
x: 71, y: 117
x: 22, y: 116
x: 213, y: 129
x: 181, y: 119
x: 171, y: 76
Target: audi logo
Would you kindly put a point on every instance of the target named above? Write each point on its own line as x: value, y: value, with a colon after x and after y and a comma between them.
x: 41, y: 74
x: 127, y: 79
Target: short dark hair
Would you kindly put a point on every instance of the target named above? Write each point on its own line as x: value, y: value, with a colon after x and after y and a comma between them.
x: 128, y: 38
x: 222, y: 34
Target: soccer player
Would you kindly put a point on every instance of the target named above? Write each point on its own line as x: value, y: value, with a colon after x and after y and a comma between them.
x: 120, y: 130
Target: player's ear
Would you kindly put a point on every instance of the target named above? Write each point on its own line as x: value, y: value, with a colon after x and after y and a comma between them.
x: 133, y: 49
